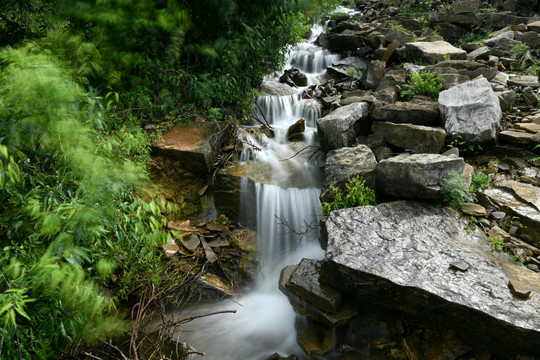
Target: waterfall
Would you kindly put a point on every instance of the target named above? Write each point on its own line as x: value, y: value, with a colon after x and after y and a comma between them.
x: 265, y: 321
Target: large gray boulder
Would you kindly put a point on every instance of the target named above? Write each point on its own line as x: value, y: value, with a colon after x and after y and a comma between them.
x: 433, y: 52
x: 416, y: 176
x: 345, y: 163
x: 420, y: 139
x: 340, y: 69
x: 418, y: 112
x: 401, y: 255
x: 471, y: 110
x: 341, y: 127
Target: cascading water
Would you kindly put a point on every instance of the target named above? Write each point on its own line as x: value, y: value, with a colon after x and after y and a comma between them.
x: 264, y: 322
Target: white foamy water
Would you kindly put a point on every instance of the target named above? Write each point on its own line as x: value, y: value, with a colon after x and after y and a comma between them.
x: 264, y: 322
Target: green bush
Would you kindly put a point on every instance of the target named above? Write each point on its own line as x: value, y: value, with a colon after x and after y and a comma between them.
x: 456, y: 190
x: 356, y: 194
x: 422, y: 83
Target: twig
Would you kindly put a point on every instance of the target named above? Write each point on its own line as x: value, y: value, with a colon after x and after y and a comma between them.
x: 307, y: 227
x: 316, y: 149
x: 264, y: 117
x: 91, y: 356
x: 189, y: 352
x: 117, y: 349
x: 186, y: 320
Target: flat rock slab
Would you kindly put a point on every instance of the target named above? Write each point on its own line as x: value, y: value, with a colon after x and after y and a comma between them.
x: 524, y: 81
x: 525, y: 192
x: 433, y: 52
x: 195, y: 145
x: 398, y: 255
x: 419, y: 176
x: 418, y: 138
x: 422, y: 112
x: 516, y: 137
x: 532, y: 128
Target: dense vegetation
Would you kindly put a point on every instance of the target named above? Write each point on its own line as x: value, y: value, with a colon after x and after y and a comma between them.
x: 78, y: 79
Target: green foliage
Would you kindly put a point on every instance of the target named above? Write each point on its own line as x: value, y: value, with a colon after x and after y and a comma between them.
x: 422, y: 83
x: 458, y: 142
x: 531, y: 160
x: 496, y: 243
x: 518, y: 50
x: 356, y: 194
x: 456, y: 190
x: 480, y: 181
x: 421, y: 7
x: 69, y: 213
x: 476, y: 35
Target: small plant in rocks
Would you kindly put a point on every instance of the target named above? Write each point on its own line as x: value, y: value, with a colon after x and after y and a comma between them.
x: 496, y: 243
x: 422, y: 83
x: 356, y: 194
x: 456, y: 190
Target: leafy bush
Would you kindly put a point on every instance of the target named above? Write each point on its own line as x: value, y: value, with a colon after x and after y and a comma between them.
x: 356, y: 194
x: 480, y: 181
x: 496, y: 243
x: 458, y: 142
x: 456, y: 190
x: 422, y: 83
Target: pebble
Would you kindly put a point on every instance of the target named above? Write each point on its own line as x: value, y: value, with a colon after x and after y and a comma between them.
x: 459, y: 265
x: 532, y: 267
x: 513, y: 230
x: 519, y: 289
x: 499, y: 215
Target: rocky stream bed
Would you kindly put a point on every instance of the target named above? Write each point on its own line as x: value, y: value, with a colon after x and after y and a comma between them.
x: 410, y: 278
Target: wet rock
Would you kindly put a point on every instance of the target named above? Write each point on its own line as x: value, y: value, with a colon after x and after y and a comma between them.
x: 345, y: 163
x: 293, y: 77
x: 227, y: 193
x: 341, y: 68
x: 419, y: 139
x: 314, y: 338
x: 419, y: 111
x: 471, y: 109
x: 472, y: 209
x: 244, y: 239
x: 296, y: 131
x: 195, y: 146
x: 525, y: 192
x: 397, y: 255
x: 527, y: 214
x: 341, y: 127
x: 213, y: 288
x: 433, y: 52
x: 304, y: 283
x: 444, y: 344
x: 417, y: 175
x: 274, y: 88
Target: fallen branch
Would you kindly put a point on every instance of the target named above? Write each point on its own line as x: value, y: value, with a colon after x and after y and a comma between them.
x: 315, y: 150
x: 256, y: 117
x: 191, y: 318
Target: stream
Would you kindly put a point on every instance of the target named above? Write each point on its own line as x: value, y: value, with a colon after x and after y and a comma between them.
x: 288, y: 192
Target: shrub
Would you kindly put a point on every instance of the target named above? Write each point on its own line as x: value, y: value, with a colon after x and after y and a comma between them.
x: 422, y: 83
x: 456, y: 190
x: 479, y: 182
x: 356, y: 194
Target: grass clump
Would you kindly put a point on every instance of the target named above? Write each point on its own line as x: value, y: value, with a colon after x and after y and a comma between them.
x: 422, y: 83
x: 356, y: 194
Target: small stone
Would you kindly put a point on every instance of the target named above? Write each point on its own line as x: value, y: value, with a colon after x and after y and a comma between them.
x: 451, y: 151
x: 219, y: 242
x: 473, y: 209
x: 519, y: 289
x: 499, y: 215
x: 192, y: 244
x: 213, y: 226
x: 498, y: 233
x: 210, y: 255
x: 459, y: 265
x: 513, y: 230
x: 532, y: 267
